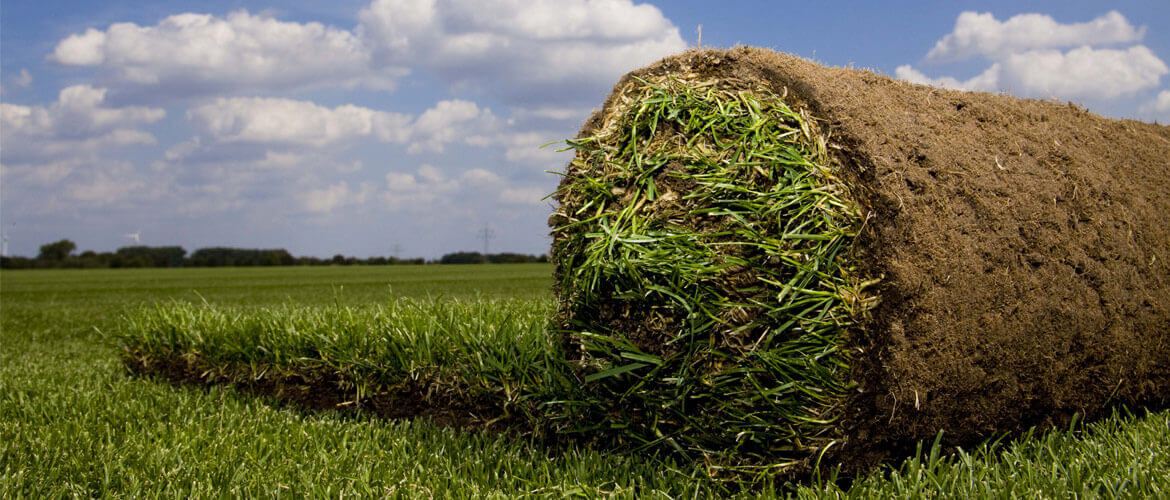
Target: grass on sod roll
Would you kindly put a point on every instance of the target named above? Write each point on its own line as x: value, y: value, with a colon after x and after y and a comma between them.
x: 702, y: 249
x: 494, y: 351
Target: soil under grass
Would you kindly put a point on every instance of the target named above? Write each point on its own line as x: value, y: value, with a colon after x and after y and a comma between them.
x: 470, y: 364
x: 322, y: 391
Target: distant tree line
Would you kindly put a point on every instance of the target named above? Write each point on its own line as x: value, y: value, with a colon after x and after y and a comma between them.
x: 492, y: 258
x: 61, y: 255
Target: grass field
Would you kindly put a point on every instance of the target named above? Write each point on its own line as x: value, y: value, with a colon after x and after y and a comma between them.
x: 73, y: 423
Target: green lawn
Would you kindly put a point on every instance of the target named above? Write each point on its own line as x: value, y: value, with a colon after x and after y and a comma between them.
x: 72, y: 423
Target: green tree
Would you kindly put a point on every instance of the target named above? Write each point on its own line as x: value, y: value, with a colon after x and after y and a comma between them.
x: 57, y: 251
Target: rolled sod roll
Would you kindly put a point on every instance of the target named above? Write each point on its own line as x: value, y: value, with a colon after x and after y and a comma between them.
x: 769, y: 264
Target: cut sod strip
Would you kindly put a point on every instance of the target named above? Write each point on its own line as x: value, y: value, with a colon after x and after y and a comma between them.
x: 468, y: 363
x: 702, y: 246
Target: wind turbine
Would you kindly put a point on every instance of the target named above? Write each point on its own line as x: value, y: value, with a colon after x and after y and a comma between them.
x: 134, y: 236
x: 4, y: 247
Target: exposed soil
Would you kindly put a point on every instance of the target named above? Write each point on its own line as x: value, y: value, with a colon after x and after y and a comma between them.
x: 1022, y: 247
x: 325, y: 391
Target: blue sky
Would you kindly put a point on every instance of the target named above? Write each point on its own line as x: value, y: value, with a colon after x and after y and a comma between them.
x: 359, y: 127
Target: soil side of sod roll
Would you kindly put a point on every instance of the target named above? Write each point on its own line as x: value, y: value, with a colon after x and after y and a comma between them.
x: 1021, y: 245
x: 324, y: 390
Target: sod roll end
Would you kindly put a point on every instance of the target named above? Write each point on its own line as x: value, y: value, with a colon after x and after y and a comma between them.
x: 768, y: 264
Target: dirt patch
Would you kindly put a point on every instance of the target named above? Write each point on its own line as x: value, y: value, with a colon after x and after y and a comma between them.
x: 1021, y: 245
x: 325, y: 391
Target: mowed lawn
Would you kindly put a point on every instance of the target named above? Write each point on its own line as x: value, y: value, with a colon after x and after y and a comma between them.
x: 73, y: 423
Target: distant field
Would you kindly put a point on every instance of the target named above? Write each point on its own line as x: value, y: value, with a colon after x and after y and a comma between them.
x: 72, y: 422
x: 271, y: 285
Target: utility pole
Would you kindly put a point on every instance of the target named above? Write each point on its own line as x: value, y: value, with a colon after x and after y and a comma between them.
x: 487, y: 234
x: 397, y: 250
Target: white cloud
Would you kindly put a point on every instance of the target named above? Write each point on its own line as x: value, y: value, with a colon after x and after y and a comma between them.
x: 292, y: 122
x: 207, y: 176
x: 196, y: 54
x: 1079, y: 73
x: 523, y: 195
x: 429, y: 186
x: 1026, y: 60
x: 289, y: 121
x: 574, y: 115
x: 182, y: 149
x: 978, y: 34
x: 79, y: 111
x: 1083, y: 72
x: 988, y: 80
x: 325, y: 200
x: 1161, y: 103
x: 56, y: 157
x: 86, y: 49
x: 1158, y: 107
x: 42, y: 175
x: 279, y: 160
x: 418, y: 190
x: 104, y: 188
x: 527, y: 147
x: 451, y: 121
x: 480, y: 177
x: 543, y: 49
x: 79, y: 122
x: 22, y: 79
x: 73, y: 183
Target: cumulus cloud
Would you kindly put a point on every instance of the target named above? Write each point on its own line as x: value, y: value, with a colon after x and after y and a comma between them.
x: 1162, y: 102
x: 988, y: 80
x: 1083, y: 72
x: 501, y: 47
x: 105, y: 187
x: 290, y: 122
x: 86, y: 49
x: 195, y: 54
x: 981, y: 34
x: 516, y: 48
x: 1158, y: 107
x: 1027, y: 60
x: 69, y: 184
x: 324, y: 200
x: 429, y: 186
x: 417, y: 190
x: 451, y: 121
x: 57, y: 157
x: 78, y: 122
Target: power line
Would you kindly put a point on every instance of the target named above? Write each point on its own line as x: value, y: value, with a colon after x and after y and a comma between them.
x: 487, y: 234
